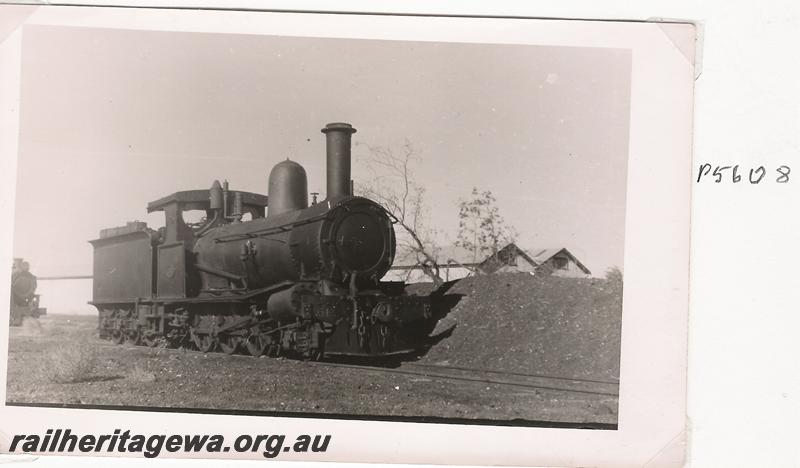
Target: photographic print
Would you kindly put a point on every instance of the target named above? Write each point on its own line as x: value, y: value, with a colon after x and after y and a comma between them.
x: 321, y: 227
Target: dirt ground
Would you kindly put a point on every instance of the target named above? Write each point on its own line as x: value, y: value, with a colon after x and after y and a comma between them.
x: 59, y: 360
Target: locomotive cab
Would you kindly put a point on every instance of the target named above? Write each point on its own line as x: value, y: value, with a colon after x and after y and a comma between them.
x: 175, y: 276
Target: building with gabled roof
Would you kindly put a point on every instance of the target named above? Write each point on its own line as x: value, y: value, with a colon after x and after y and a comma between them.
x: 456, y: 262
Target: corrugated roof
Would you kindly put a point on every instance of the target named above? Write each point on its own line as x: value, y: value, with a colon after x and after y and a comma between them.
x: 467, y: 257
x: 448, y: 254
x: 540, y: 255
x: 454, y: 254
x: 457, y: 254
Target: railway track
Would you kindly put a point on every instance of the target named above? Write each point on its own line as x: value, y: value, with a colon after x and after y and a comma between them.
x: 527, y: 382
x: 530, y: 382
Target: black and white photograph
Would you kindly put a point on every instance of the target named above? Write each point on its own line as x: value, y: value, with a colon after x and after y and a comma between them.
x: 317, y: 226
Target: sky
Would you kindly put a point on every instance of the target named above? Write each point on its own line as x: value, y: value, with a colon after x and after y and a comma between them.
x: 113, y: 119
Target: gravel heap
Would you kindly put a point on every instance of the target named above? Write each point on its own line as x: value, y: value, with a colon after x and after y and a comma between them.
x: 560, y: 327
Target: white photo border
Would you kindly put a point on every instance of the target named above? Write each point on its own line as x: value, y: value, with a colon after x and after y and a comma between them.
x: 652, y: 411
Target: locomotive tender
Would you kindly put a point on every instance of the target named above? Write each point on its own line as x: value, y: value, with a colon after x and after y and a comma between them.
x: 296, y: 279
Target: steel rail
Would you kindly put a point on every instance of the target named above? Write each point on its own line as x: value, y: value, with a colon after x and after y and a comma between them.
x: 438, y: 375
x: 518, y: 374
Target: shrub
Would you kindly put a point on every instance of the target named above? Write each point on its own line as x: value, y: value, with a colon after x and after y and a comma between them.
x: 142, y: 373
x: 614, y: 274
x: 30, y: 327
x: 71, y: 363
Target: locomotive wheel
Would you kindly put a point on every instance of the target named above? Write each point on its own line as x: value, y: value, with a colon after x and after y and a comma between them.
x: 132, y: 337
x: 256, y: 345
x: 205, y: 342
x: 175, y: 339
x: 316, y: 354
x: 274, y: 350
x: 151, y: 340
x: 117, y: 337
x: 229, y: 344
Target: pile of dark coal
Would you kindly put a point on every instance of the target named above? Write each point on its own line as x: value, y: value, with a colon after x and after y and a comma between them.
x: 559, y: 327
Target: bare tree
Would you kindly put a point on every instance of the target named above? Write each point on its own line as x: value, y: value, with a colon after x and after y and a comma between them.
x: 392, y: 184
x: 481, y: 228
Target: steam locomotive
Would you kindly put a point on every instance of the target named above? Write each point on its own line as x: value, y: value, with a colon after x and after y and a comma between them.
x: 24, y: 300
x: 296, y: 279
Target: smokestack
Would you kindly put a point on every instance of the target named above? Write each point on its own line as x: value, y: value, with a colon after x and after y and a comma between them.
x: 338, y: 151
